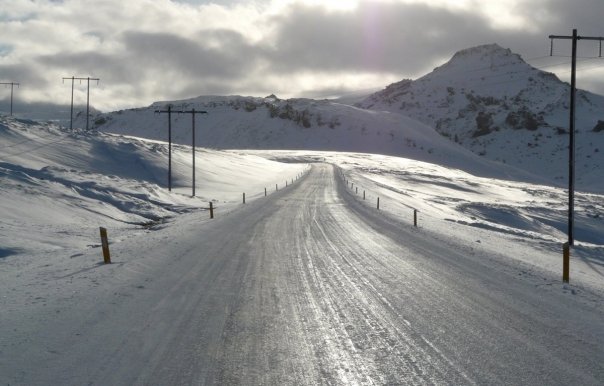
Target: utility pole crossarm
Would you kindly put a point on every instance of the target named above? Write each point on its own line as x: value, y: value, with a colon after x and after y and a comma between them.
x: 190, y: 112
x: 600, y: 38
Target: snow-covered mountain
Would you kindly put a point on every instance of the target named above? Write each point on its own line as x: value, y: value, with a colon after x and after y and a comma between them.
x: 486, y: 100
x: 492, y: 102
x: 237, y: 122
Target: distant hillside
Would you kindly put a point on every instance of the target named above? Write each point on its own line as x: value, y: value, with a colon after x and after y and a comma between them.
x: 493, y: 103
x: 236, y: 122
x: 485, y: 111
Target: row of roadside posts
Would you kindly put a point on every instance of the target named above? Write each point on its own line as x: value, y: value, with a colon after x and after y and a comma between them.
x: 565, y: 246
x: 105, y: 238
x: 350, y: 184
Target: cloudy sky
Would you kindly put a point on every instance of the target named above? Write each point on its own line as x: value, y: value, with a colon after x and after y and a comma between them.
x: 148, y: 50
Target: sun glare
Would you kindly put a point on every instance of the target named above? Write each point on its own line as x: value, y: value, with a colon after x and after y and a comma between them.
x: 329, y: 4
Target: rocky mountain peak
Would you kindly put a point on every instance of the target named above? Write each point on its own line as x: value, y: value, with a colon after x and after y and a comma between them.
x: 485, y: 52
x: 489, y: 100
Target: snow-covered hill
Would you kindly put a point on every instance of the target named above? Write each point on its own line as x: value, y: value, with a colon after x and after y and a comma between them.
x: 486, y: 100
x: 490, y: 101
x: 58, y: 186
x: 236, y: 122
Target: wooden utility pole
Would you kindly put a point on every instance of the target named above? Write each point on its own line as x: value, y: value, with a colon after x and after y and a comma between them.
x: 12, y: 86
x: 571, y: 128
x: 193, y: 112
x: 87, y: 79
x: 571, y: 148
x: 169, y: 111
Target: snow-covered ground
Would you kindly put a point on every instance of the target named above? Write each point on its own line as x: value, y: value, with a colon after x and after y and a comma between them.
x: 528, y: 221
x: 58, y: 186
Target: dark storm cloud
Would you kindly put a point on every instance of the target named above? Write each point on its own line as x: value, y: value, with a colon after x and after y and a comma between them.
x: 560, y: 16
x: 386, y: 37
x: 25, y: 74
x: 228, y: 58
x: 88, y: 63
x: 295, y: 50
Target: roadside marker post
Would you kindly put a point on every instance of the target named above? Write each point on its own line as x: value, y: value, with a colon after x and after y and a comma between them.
x: 565, y: 262
x: 363, y: 194
x: 211, y: 210
x: 105, y: 245
x: 378, y: 203
x: 415, y: 217
x: 244, y: 198
x: 264, y: 192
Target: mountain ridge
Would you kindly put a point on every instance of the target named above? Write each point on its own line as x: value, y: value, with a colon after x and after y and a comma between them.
x: 490, y: 101
x: 485, y: 100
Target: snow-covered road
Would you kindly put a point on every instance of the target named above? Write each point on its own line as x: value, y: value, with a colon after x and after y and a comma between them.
x: 307, y: 286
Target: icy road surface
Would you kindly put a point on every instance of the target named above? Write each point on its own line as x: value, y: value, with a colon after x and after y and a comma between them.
x: 307, y: 286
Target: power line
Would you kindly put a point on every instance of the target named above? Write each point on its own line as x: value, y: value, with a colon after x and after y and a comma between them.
x: 36, y: 147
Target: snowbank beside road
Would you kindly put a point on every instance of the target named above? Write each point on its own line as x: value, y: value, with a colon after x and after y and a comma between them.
x: 58, y: 186
x: 512, y: 220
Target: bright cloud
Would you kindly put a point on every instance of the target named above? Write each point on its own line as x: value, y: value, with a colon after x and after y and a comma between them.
x: 147, y: 50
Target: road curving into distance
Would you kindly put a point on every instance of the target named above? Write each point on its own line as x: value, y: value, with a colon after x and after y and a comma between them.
x: 308, y: 287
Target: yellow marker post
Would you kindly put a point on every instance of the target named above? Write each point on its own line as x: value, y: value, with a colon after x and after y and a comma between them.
x: 105, y: 245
